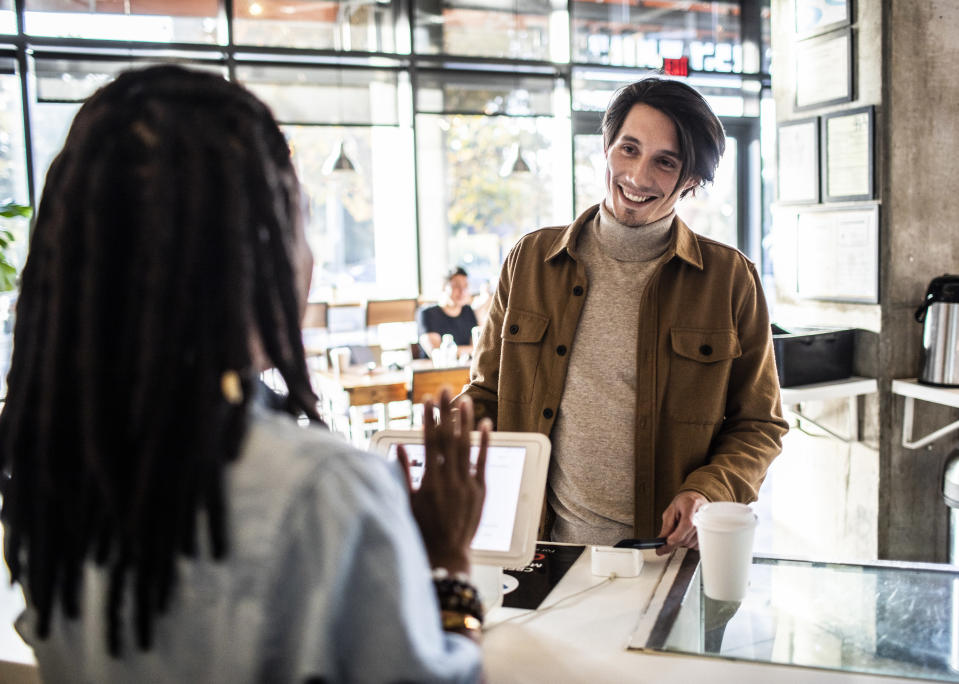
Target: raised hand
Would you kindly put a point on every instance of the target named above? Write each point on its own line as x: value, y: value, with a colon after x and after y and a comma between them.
x: 448, y: 504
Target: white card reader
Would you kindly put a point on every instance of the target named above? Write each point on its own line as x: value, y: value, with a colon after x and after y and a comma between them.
x: 609, y: 561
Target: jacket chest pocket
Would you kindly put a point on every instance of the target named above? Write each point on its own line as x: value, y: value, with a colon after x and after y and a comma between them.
x: 522, y: 337
x: 699, y: 365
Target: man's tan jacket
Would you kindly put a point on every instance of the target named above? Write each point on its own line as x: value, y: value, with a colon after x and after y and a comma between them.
x: 708, y: 414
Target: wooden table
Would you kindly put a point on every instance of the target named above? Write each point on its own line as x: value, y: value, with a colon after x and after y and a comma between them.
x: 350, y: 392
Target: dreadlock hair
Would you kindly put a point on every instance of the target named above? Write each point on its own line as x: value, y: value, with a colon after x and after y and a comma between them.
x: 162, y: 246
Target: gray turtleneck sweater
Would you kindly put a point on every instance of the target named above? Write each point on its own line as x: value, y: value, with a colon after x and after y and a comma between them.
x: 591, y: 469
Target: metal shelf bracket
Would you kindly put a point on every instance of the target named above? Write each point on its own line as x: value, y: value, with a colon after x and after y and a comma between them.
x: 908, y: 441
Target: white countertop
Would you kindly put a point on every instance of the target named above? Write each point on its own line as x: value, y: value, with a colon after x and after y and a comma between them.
x: 584, y: 639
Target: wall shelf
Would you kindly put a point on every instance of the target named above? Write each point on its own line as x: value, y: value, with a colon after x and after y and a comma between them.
x: 847, y: 388
x: 912, y: 390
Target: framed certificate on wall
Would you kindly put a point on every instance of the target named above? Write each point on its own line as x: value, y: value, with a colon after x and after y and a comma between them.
x: 819, y: 16
x: 824, y: 70
x: 848, y: 155
x: 797, y: 149
x: 837, y: 254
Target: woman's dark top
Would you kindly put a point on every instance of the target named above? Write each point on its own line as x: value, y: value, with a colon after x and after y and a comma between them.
x: 432, y: 319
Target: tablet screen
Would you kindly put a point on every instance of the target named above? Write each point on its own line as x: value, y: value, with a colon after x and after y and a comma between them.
x: 504, y: 475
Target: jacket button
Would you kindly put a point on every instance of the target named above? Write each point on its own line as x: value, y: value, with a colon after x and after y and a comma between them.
x: 705, y: 350
x: 547, y: 413
x: 578, y: 290
x: 561, y: 350
x: 513, y: 329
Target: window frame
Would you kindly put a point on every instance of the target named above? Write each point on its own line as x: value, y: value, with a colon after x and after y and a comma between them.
x: 231, y: 55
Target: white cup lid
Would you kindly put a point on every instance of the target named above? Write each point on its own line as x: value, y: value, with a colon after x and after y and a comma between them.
x: 725, y: 516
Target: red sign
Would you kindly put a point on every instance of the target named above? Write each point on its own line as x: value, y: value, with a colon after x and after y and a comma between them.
x: 676, y: 67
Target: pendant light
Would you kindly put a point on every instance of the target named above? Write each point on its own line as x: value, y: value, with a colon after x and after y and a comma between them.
x: 338, y: 163
x: 520, y: 165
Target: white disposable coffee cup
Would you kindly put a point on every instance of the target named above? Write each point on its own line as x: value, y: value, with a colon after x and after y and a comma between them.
x: 725, y: 532
x: 341, y: 359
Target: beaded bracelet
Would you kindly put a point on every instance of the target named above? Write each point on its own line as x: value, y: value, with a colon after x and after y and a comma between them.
x: 459, y: 621
x: 457, y: 595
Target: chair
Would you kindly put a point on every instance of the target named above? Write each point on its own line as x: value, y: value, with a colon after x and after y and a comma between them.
x: 357, y: 410
x: 315, y: 315
x: 345, y: 318
x: 429, y: 381
x: 391, y: 324
x: 390, y: 311
x: 314, y: 330
x: 360, y: 354
x: 416, y: 351
x: 369, y: 410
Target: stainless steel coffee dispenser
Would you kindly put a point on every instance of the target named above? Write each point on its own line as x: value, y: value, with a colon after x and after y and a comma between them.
x: 939, y: 315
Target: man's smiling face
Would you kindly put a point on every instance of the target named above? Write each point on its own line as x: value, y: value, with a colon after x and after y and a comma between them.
x: 643, y: 165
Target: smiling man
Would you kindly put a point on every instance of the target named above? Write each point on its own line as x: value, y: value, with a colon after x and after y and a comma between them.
x: 641, y: 348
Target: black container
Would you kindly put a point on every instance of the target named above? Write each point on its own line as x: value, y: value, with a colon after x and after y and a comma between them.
x: 808, y: 355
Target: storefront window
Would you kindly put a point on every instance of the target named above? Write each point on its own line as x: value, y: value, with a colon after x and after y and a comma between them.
x: 766, y: 47
x: 345, y: 25
x: 641, y: 34
x: 8, y: 18
x: 13, y: 188
x: 493, y: 162
x: 519, y: 29
x: 61, y: 87
x: 496, y: 143
x: 727, y: 96
x: 178, y: 21
x: 13, y: 177
x: 361, y: 220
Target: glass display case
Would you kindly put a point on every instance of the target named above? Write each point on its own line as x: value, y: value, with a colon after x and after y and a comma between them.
x: 883, y: 618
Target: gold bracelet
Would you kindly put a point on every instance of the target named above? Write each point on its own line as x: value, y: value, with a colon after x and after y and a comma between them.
x: 453, y: 620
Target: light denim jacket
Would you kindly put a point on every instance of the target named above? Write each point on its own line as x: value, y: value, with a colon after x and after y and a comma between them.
x: 326, y: 580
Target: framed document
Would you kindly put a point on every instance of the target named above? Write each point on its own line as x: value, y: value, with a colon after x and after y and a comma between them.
x: 798, y: 161
x: 819, y: 16
x: 837, y: 254
x: 824, y: 70
x: 847, y: 159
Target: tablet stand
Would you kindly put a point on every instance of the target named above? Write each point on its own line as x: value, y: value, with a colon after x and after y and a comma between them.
x: 489, y: 582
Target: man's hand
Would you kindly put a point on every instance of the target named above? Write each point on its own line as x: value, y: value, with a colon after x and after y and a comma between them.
x: 678, y: 522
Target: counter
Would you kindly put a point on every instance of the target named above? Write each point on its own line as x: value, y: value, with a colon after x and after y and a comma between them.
x: 801, y: 622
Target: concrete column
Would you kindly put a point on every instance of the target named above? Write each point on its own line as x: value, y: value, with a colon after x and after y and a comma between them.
x: 920, y: 134
x: 905, y: 55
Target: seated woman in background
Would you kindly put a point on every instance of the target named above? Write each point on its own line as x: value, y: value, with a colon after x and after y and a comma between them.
x: 453, y: 315
x: 165, y: 525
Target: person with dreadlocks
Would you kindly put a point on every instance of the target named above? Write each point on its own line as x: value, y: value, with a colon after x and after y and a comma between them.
x: 164, y: 524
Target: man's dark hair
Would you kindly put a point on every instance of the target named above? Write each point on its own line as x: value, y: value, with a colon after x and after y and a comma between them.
x: 700, y: 133
x: 162, y: 245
